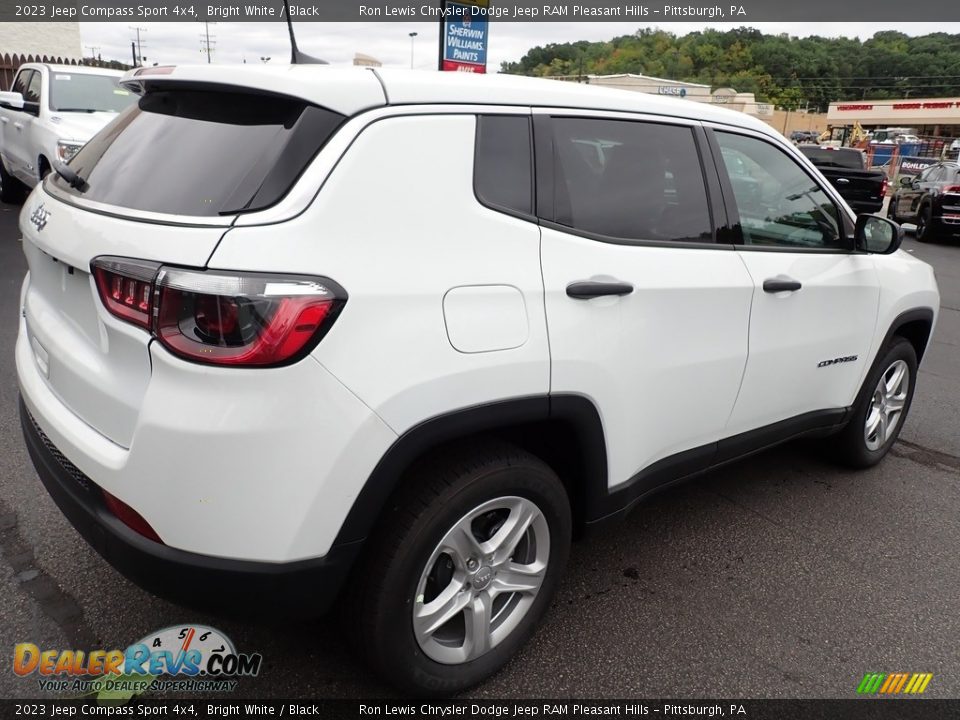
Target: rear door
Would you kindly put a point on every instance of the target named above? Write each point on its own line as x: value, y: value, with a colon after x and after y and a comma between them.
x: 815, y: 302
x: 647, y: 313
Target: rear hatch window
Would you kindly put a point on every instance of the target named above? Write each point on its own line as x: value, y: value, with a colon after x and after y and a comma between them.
x: 201, y: 152
x: 847, y: 159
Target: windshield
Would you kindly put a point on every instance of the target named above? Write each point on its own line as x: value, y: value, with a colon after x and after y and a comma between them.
x: 209, y: 152
x: 84, y: 92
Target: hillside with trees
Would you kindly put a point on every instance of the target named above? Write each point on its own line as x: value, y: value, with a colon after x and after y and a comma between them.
x: 788, y: 71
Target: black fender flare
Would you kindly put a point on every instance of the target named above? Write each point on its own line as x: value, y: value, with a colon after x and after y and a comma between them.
x: 923, y: 314
x: 575, y: 410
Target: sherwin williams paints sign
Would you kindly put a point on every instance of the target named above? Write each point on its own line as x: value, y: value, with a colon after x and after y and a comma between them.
x: 464, y: 36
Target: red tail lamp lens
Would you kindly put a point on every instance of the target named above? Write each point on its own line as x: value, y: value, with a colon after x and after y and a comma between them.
x: 130, y: 517
x: 221, y: 318
x: 126, y: 289
x: 244, y: 319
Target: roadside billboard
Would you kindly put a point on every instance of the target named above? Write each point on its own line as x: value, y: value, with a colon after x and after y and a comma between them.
x: 464, y: 33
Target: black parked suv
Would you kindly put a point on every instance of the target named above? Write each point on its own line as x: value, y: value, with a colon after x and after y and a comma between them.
x: 931, y: 200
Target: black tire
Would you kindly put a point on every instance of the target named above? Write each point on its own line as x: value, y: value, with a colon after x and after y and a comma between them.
x: 11, y: 189
x: 892, y: 209
x: 850, y: 446
x: 925, y: 230
x: 438, y: 493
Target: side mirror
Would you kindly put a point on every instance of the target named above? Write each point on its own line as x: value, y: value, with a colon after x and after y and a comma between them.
x: 11, y: 100
x: 877, y: 235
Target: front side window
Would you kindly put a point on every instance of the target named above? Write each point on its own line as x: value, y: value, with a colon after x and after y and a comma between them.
x: 629, y: 180
x: 33, y: 89
x: 21, y: 83
x: 779, y: 204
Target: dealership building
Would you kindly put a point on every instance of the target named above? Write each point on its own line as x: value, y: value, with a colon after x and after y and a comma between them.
x: 939, y: 117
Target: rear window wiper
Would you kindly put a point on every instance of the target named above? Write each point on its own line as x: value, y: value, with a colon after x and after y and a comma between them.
x: 86, y: 110
x: 72, y: 178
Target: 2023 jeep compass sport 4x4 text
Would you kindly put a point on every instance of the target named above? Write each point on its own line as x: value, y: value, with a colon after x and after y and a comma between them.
x: 304, y: 333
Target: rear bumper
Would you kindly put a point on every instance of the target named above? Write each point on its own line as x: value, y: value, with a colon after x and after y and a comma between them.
x: 305, y: 587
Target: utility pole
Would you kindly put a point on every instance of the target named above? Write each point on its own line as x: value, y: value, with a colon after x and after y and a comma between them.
x: 412, y: 36
x: 94, y: 50
x: 138, y: 55
x: 207, y: 43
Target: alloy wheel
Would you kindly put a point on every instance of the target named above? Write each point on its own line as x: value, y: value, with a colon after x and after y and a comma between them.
x: 887, y: 405
x: 481, y: 580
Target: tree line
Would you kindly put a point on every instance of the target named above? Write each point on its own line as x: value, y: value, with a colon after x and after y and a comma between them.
x: 787, y: 71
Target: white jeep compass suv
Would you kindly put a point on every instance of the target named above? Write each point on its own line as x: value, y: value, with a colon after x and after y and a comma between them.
x: 294, y: 333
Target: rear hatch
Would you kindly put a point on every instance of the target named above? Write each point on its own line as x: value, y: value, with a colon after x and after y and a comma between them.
x: 163, y: 182
x: 845, y: 170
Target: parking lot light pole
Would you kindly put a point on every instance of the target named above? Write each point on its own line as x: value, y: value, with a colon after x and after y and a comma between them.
x: 412, y: 36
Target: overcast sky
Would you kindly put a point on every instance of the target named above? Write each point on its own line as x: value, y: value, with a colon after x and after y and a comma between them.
x: 389, y: 42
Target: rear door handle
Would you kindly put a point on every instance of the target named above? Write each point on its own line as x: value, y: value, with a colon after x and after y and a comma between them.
x: 18, y: 126
x: 4, y: 120
x: 781, y: 284
x: 586, y: 290
x: 843, y: 181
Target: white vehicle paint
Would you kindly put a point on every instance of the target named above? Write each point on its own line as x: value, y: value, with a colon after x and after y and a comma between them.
x: 617, y: 334
x: 41, y: 118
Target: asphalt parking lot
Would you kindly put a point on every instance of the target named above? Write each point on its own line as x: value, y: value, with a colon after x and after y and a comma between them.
x: 779, y: 576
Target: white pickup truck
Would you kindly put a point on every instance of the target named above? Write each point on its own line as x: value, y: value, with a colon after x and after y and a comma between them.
x: 50, y: 113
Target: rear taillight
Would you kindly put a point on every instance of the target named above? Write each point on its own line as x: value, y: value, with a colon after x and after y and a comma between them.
x: 241, y: 319
x: 884, y: 186
x: 126, y: 288
x: 952, y: 189
x: 221, y: 318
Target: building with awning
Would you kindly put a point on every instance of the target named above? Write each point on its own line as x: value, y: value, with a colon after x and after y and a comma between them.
x: 697, y: 92
x: 926, y: 116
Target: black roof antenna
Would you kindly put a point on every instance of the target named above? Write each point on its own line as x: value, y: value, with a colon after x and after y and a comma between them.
x: 297, y: 57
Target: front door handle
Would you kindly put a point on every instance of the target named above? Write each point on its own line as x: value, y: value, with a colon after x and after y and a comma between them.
x: 18, y: 126
x: 843, y: 181
x: 588, y: 289
x: 781, y: 284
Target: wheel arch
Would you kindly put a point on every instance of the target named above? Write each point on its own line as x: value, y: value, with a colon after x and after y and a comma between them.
x: 565, y: 431
x: 42, y: 162
x: 915, y: 325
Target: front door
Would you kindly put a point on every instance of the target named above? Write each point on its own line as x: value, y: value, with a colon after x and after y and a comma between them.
x: 815, y: 300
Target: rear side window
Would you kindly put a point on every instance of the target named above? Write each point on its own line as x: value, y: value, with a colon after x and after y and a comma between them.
x: 503, y: 163
x: 629, y: 180
x: 201, y: 153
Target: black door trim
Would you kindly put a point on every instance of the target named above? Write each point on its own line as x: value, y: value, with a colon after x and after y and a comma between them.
x: 606, y: 505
